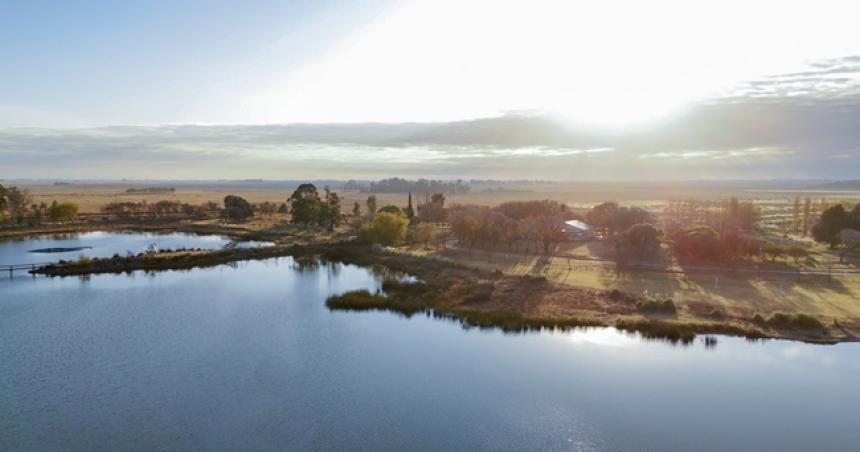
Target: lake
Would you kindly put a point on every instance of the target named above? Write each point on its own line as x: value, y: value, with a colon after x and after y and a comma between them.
x: 247, y: 357
x: 105, y: 244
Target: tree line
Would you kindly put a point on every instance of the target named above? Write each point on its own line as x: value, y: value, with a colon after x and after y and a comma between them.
x: 159, y: 209
x: 420, y: 186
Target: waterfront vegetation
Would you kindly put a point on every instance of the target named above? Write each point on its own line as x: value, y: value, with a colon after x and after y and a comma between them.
x: 711, y: 267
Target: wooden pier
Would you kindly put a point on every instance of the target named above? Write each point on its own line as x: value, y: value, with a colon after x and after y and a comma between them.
x: 12, y: 268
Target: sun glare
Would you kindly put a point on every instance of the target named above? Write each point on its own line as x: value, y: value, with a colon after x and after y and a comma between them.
x: 610, y: 63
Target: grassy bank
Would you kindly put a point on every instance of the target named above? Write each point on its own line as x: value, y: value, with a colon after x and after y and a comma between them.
x: 487, y: 299
x: 175, y: 259
x: 483, y: 299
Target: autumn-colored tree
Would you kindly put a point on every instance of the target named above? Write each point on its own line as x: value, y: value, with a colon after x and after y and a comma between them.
x: 425, y: 233
x: 807, y: 215
x: 795, y: 215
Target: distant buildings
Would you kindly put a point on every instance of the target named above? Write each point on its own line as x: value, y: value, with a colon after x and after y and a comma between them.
x: 577, y: 230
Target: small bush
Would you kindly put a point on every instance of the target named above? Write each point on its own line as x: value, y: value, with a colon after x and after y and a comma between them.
x: 666, y: 306
x: 363, y: 300
x: 794, y: 321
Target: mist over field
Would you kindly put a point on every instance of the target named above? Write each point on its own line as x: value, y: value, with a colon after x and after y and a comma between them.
x: 750, y: 140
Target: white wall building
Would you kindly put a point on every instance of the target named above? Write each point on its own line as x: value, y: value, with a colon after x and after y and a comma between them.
x: 577, y: 230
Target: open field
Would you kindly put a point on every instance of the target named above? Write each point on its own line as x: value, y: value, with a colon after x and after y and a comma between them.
x: 698, y: 294
x: 775, y: 202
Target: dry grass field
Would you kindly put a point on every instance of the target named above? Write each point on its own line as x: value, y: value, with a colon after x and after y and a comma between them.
x: 775, y: 203
x: 741, y: 295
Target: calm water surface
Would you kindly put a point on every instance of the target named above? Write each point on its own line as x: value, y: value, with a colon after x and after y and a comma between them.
x: 105, y: 244
x: 247, y: 357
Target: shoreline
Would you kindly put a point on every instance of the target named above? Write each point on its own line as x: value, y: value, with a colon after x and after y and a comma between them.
x: 474, y: 297
x: 237, y: 232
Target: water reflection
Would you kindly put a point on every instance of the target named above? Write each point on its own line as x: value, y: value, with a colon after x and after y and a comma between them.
x: 248, y: 358
x: 106, y: 244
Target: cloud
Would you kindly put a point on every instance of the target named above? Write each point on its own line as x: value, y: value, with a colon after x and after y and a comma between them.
x: 739, y: 137
x: 717, y: 155
x: 833, y: 78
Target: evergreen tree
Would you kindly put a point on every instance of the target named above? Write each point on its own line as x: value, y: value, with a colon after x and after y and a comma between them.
x: 305, y: 205
x: 410, y: 212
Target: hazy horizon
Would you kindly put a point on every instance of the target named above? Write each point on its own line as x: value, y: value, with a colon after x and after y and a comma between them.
x: 543, y: 89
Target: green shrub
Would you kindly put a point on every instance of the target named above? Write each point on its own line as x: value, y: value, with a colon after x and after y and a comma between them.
x: 794, y: 320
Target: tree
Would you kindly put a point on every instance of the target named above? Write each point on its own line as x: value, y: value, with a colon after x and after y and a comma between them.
x: 511, y: 232
x: 602, y: 216
x: 639, y: 240
x: 613, y: 218
x: 283, y: 209
x: 795, y: 215
x: 854, y: 217
x: 850, y: 238
x: 371, y: 206
x: 18, y: 201
x: 385, y: 229
x: 550, y: 231
x: 433, y: 211
x: 748, y: 215
x: 807, y: 214
x: 832, y: 222
x: 425, y: 233
x: 627, y: 217
x: 330, y: 211
x: 741, y: 215
x: 267, y: 208
x: 410, y: 212
x: 237, y: 208
x: 3, y: 202
x: 356, y: 209
x: 394, y: 210
x: 65, y: 211
x: 699, y: 243
x: 38, y: 212
x: 305, y: 205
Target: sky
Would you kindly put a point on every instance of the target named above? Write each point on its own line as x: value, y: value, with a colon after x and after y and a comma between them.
x: 547, y: 89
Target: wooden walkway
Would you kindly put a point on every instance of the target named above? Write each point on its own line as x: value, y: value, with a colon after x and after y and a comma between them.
x: 12, y: 268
